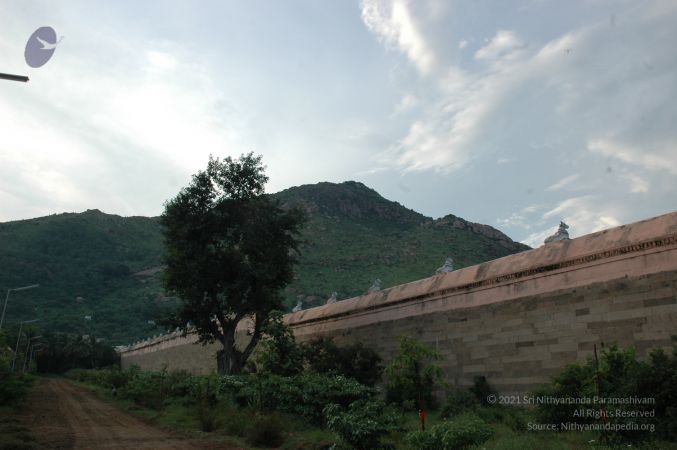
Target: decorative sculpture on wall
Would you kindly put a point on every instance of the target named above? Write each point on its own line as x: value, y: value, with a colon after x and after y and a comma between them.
x: 447, y: 267
x: 298, y: 307
x: 376, y: 286
x: 561, y: 235
x: 332, y: 299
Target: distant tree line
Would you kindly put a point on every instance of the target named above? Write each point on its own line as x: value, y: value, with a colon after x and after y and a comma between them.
x: 63, y: 352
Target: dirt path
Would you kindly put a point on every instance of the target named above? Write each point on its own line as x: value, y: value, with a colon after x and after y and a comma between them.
x: 70, y: 417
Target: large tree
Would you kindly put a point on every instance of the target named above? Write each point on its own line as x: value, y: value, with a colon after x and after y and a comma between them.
x: 230, y: 250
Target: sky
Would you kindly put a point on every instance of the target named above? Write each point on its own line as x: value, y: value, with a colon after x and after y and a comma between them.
x: 516, y: 114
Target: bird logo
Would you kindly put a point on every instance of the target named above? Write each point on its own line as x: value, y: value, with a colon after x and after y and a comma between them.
x: 48, y: 45
x: 41, y: 46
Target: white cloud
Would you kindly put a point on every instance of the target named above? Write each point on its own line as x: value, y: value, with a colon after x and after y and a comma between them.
x: 393, y: 23
x: 462, y: 44
x: 637, y: 184
x: 407, y: 102
x: 656, y: 157
x: 161, y: 61
x: 584, y: 215
x: 503, y: 45
x: 566, y: 181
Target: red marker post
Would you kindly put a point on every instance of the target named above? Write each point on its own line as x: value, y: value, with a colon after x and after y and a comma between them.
x: 421, y: 418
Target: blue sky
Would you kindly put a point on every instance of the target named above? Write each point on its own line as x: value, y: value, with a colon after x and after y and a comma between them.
x: 517, y: 114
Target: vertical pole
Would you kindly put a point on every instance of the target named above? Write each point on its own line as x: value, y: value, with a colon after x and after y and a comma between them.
x: 30, y: 358
x: 4, y: 308
x: 16, y: 349
x: 28, y: 344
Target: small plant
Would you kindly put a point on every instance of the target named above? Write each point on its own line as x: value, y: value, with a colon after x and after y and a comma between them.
x: 305, y: 395
x: 236, y: 422
x: 355, y: 361
x: 265, y: 431
x: 413, y: 374
x: 482, y: 390
x: 279, y: 352
x: 205, y: 391
x: 460, y: 433
x: 364, y: 424
x: 617, y: 373
x: 457, y: 401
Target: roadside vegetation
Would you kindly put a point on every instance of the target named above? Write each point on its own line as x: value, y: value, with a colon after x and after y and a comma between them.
x: 319, y: 403
x: 14, y: 388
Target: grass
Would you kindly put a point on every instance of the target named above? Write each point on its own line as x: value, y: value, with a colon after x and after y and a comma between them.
x: 14, y: 435
x: 232, y: 424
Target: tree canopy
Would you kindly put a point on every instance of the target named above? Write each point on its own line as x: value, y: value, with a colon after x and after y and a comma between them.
x: 230, y: 250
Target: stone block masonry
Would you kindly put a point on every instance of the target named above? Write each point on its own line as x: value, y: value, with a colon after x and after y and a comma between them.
x: 516, y: 320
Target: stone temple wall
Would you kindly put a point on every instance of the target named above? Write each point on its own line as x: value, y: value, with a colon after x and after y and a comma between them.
x: 515, y: 320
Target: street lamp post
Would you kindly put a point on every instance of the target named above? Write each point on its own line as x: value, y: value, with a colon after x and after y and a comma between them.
x: 4, y: 308
x: 16, y: 349
x: 35, y: 348
x: 28, y: 346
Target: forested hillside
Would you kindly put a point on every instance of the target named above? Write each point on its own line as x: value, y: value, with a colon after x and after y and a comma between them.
x: 108, y: 267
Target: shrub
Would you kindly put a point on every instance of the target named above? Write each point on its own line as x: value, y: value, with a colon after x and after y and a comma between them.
x: 507, y: 415
x: 457, y: 401
x: 462, y: 432
x: 180, y: 383
x: 306, y: 394
x: 657, y: 379
x: 236, y: 422
x: 482, y: 390
x: 413, y: 374
x: 363, y: 424
x: 265, y: 431
x: 355, y: 361
x: 14, y: 386
x: 205, y: 392
x: 146, y: 389
x: 279, y: 353
x: 618, y: 374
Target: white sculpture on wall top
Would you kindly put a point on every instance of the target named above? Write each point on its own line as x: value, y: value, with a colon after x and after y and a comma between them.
x: 561, y: 235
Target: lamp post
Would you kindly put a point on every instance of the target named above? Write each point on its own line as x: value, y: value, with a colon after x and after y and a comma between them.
x: 16, y: 349
x: 35, y: 349
x: 4, y: 308
x: 28, y: 346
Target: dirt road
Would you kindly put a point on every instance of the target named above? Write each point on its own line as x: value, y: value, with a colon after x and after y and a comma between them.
x: 68, y: 417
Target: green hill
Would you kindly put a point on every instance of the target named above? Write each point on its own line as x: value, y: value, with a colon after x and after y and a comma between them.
x: 109, y: 267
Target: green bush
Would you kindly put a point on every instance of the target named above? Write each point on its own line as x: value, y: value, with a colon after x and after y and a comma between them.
x: 14, y: 386
x: 305, y: 395
x: 146, y: 389
x: 457, y: 401
x: 363, y: 424
x: 506, y: 415
x: 355, y: 361
x: 205, y: 392
x: 462, y: 432
x: 265, y: 431
x: 618, y: 374
x: 180, y: 383
x: 482, y: 390
x: 236, y: 421
x: 279, y: 353
x: 413, y: 374
x: 657, y: 379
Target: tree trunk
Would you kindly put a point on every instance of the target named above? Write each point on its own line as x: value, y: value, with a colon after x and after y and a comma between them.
x: 229, y: 362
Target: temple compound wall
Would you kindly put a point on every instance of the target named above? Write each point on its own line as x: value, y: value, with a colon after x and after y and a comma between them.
x: 516, y: 320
